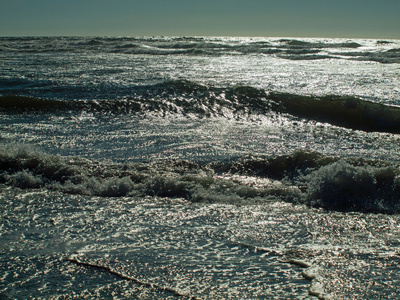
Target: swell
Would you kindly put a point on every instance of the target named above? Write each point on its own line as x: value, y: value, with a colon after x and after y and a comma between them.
x: 12, y: 103
x: 344, y: 111
x: 332, y: 183
x: 190, y: 99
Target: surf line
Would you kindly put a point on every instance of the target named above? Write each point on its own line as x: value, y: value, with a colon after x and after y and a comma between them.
x: 74, y: 259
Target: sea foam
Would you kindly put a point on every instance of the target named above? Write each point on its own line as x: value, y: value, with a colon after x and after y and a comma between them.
x: 301, y: 177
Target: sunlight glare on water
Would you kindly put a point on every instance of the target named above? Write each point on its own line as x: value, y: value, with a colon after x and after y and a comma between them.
x: 211, y: 168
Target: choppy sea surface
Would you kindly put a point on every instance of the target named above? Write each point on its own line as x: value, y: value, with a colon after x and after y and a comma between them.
x: 199, y: 167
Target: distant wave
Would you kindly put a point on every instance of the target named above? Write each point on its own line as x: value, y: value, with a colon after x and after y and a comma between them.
x: 310, y: 178
x: 294, y: 49
x: 303, y: 44
x: 190, y: 99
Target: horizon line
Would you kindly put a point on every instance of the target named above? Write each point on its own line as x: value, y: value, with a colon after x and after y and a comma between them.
x: 199, y: 36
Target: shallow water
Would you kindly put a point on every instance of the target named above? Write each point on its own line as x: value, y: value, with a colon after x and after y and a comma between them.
x: 214, y: 251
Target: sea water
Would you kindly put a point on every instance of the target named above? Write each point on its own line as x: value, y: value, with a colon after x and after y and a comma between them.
x: 196, y: 167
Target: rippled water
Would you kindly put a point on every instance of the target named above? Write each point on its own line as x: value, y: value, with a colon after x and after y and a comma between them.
x: 213, y: 251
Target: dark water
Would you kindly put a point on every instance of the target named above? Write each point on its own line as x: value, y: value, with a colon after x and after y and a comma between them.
x: 212, y: 168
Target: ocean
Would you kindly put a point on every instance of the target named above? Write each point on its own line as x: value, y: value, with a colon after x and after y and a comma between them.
x: 199, y: 168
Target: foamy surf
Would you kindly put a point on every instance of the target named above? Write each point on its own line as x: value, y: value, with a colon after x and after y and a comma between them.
x: 301, y: 177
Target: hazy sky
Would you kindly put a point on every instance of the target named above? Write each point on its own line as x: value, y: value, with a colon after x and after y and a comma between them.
x: 290, y: 18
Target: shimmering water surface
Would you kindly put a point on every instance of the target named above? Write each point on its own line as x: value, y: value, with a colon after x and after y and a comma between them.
x: 210, y: 168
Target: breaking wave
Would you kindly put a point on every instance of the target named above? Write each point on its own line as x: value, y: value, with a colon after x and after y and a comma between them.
x: 190, y: 99
x: 332, y: 183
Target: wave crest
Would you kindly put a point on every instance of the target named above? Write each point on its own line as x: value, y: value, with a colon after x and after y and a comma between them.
x: 304, y: 177
x: 191, y: 99
x: 342, y: 186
